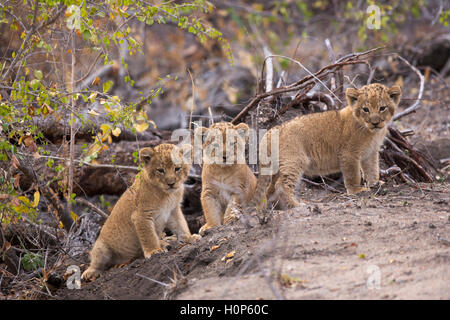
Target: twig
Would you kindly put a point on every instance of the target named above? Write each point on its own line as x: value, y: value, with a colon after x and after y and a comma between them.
x: 323, y: 185
x: 88, y: 79
x: 72, y: 131
x: 371, y: 75
x: 211, y: 117
x: 293, y: 87
x: 93, y: 207
x: 193, y: 99
x: 41, y: 227
x: 390, y: 171
x: 351, y: 56
x: 269, y: 70
x: 90, y: 69
x: 416, y: 105
x: 156, y: 281
x: 340, y: 76
x: 309, y: 72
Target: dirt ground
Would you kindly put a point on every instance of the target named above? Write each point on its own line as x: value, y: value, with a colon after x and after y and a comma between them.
x: 391, y: 244
x: 394, y: 244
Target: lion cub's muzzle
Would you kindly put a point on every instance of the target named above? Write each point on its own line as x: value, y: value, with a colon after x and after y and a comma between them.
x: 376, y: 126
x: 375, y: 123
x: 171, y: 185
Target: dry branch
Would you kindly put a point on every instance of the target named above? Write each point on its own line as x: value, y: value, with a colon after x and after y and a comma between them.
x: 301, y: 84
x: 336, y: 85
x: 416, y: 105
x: 93, y: 207
x: 414, y: 166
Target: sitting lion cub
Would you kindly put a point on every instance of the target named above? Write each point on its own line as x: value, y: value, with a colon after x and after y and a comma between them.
x: 346, y: 141
x: 138, y: 219
x: 227, y: 181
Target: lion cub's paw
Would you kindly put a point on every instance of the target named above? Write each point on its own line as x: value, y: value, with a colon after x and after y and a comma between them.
x: 90, y: 274
x: 204, y: 229
x: 357, y: 190
x: 292, y: 203
x: 166, y: 242
x: 375, y: 184
x: 148, y: 254
x: 194, y: 238
x: 232, y: 214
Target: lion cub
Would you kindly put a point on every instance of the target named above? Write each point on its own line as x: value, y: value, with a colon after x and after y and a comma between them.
x: 134, y: 228
x: 346, y: 141
x: 227, y: 181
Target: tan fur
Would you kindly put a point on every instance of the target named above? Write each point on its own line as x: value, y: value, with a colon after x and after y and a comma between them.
x: 344, y: 141
x: 225, y: 187
x: 136, y: 224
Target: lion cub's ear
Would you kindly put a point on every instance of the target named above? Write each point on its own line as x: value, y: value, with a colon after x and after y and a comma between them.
x: 241, y: 126
x: 146, y: 154
x: 200, y: 131
x: 242, y: 129
x: 352, y: 96
x: 186, y: 153
x: 395, y: 93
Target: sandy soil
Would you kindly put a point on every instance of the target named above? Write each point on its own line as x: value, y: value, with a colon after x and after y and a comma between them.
x: 394, y: 244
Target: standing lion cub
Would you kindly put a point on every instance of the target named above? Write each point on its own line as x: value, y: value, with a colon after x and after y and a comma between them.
x: 346, y: 141
x: 134, y: 228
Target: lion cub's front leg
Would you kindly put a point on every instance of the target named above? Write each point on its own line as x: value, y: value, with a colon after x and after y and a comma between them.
x: 351, y: 169
x: 212, y: 211
x: 146, y: 232
x: 178, y: 225
x: 371, y: 169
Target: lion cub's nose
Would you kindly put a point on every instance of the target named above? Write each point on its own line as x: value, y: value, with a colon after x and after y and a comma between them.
x: 375, y: 120
x: 171, y: 184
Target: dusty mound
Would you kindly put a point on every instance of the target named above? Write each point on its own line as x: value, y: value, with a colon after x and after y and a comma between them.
x: 393, y: 244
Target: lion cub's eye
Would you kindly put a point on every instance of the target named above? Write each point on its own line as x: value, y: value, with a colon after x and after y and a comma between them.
x: 382, y: 108
x: 365, y: 109
x: 160, y: 170
x: 177, y: 169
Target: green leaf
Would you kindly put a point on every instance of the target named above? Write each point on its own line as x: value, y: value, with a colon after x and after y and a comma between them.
x: 86, y: 35
x: 107, y: 86
x: 32, y: 261
x: 38, y: 74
